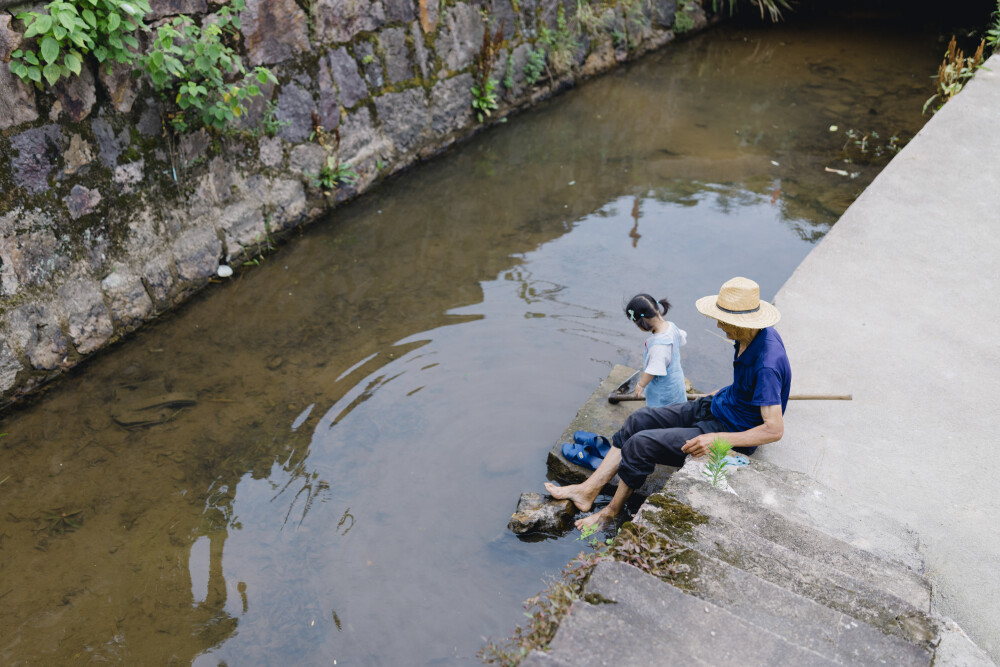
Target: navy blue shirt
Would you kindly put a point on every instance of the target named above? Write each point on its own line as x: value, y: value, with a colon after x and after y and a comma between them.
x: 761, y: 376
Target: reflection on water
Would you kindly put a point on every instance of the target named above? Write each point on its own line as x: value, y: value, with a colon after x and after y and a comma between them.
x: 316, y: 461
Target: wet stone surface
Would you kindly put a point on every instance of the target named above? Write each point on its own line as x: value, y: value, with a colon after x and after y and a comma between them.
x: 274, y: 30
x: 344, y: 71
x: 36, y: 153
x: 541, y: 514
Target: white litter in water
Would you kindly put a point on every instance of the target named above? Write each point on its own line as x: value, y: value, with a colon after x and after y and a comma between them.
x: 833, y: 128
x: 224, y: 271
x: 775, y: 163
x: 572, y: 182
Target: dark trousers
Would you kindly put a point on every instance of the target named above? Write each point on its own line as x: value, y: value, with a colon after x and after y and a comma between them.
x: 656, y: 435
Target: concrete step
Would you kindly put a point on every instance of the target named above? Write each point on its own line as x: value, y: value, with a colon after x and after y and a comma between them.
x: 798, y: 619
x: 802, y: 499
x: 643, y: 621
x: 689, y: 487
x: 784, y: 567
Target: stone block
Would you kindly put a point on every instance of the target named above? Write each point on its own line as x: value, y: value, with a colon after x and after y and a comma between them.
x: 663, y: 12
x: 398, y: 11
x: 271, y: 151
x: 150, y: 122
x: 77, y: 94
x: 242, y: 225
x: 192, y: 147
x: 451, y: 104
x: 37, y: 150
x: 79, y: 155
x: 109, y: 144
x: 10, y: 40
x: 286, y: 202
x: 159, y: 281
x: 429, y: 11
x: 404, y: 118
x: 88, y: 319
x: 371, y: 65
x: 502, y: 13
x: 161, y: 8
x: 82, y: 201
x: 196, y: 255
x: 358, y: 136
x: 329, y: 101
x: 129, y: 303
x: 119, y: 85
x: 344, y: 71
x: 31, y: 257
x: 398, y: 65
x: 10, y: 366
x: 128, y: 176
x: 420, y: 55
x: 540, y: 514
x: 340, y: 20
x: 296, y: 107
x: 17, y: 100
x: 35, y: 329
x: 274, y: 30
x: 461, y: 37
x: 518, y: 59
x: 307, y: 159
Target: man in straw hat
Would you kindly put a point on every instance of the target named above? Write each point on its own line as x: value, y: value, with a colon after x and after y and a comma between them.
x: 747, y: 413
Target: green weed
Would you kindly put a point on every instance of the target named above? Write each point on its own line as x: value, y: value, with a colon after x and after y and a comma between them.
x: 69, y: 31
x: 715, y: 470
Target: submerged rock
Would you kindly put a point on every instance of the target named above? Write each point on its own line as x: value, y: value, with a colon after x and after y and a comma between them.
x: 541, y: 514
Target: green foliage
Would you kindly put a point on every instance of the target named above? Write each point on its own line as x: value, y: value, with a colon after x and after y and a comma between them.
x: 715, y: 470
x: 955, y: 70
x: 535, y: 65
x: 270, y: 125
x: 683, y: 20
x: 993, y: 32
x: 333, y: 175
x: 559, y: 43
x: 71, y: 30
x: 196, y: 69
x: 484, y: 97
x: 484, y: 100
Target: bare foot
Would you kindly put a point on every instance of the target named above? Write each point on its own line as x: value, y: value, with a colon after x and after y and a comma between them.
x: 598, y: 518
x: 575, y: 492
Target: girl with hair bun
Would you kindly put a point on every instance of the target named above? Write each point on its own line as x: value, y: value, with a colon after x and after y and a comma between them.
x: 662, y: 379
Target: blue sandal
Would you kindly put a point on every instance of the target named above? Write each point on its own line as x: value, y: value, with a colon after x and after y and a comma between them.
x: 598, y: 445
x: 576, y: 453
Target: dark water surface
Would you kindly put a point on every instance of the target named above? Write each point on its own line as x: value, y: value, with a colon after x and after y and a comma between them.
x: 372, y: 399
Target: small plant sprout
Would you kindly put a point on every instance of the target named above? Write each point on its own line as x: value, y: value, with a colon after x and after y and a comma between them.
x: 715, y: 469
x: 484, y: 96
x: 333, y: 175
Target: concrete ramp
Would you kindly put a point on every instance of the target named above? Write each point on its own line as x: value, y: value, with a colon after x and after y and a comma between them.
x: 899, y: 305
x: 750, y: 585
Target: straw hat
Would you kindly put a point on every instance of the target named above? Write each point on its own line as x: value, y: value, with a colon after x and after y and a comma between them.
x: 738, y: 303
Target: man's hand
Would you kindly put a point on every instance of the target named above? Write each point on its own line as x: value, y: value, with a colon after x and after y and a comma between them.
x: 698, y: 445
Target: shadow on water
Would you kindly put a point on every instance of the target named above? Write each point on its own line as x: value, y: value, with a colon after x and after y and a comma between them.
x: 316, y: 461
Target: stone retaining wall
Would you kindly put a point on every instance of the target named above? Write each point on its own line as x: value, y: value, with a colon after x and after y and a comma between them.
x: 106, y: 220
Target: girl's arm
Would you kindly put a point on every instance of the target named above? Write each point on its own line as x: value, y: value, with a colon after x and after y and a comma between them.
x: 640, y: 386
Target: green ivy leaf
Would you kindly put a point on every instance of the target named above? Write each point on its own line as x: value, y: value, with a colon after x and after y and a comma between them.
x: 52, y: 73
x: 58, y: 32
x: 42, y: 25
x: 89, y: 17
x: 253, y: 90
x: 113, y: 22
x: 68, y: 20
x: 72, y: 63
x: 50, y: 51
x: 262, y: 76
x: 19, y: 69
x: 31, y: 58
x: 35, y: 74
